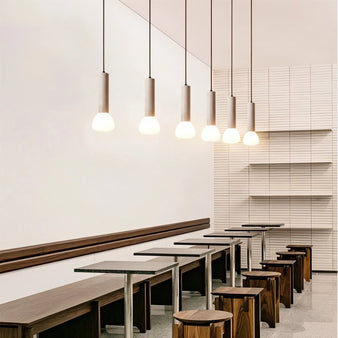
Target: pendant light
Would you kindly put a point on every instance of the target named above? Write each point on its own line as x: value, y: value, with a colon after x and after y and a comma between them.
x: 103, y: 121
x: 210, y: 132
x: 185, y: 128
x: 149, y: 124
x: 231, y: 135
x: 251, y: 138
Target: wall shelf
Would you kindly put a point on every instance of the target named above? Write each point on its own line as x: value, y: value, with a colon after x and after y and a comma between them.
x: 305, y: 162
x: 293, y: 130
x: 295, y: 194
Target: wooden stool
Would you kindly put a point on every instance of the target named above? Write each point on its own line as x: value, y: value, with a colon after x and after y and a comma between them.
x: 203, y: 324
x: 307, y: 267
x: 286, y: 269
x: 269, y: 281
x: 245, y: 305
x: 298, y: 256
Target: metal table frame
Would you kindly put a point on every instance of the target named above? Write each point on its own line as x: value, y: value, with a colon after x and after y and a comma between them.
x: 249, y: 244
x: 208, y: 267
x: 231, y: 244
x: 128, y: 289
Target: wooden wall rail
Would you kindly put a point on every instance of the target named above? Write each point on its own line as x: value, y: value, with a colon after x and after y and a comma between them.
x: 19, y: 258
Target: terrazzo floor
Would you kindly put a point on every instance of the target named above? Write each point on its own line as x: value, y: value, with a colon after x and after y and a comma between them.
x: 314, y: 313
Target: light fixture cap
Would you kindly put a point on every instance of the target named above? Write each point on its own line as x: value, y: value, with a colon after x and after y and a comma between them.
x: 211, y: 113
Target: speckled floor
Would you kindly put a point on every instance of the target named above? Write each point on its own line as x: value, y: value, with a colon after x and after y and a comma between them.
x: 313, y: 315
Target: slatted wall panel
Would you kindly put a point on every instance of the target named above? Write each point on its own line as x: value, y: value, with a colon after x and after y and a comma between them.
x: 291, y: 176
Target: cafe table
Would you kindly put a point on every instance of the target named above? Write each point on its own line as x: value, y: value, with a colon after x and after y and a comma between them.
x: 239, y: 234
x: 187, y: 252
x: 216, y: 242
x: 128, y: 269
x: 259, y: 229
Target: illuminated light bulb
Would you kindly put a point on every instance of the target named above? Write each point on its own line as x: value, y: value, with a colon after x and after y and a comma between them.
x: 211, y: 133
x: 231, y: 136
x: 185, y: 130
x: 251, y: 138
x: 149, y: 125
x: 103, y: 122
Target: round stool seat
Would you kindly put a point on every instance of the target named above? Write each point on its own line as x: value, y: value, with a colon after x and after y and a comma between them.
x: 261, y: 274
x: 202, y: 317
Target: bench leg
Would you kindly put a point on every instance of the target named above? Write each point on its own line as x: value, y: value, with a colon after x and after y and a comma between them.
x: 243, y: 310
x: 268, y: 298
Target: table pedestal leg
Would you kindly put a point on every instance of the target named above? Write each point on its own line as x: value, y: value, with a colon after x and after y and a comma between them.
x: 249, y: 255
x: 128, y: 306
x: 175, y: 289
x: 232, y: 265
x: 208, y: 281
x: 263, y: 246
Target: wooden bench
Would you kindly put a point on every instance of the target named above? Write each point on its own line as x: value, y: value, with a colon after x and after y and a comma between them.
x: 286, y: 269
x: 245, y: 305
x: 307, y: 267
x: 80, y: 309
x: 269, y: 281
x: 75, y: 310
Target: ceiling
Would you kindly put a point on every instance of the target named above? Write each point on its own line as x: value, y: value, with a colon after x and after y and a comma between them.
x: 286, y: 32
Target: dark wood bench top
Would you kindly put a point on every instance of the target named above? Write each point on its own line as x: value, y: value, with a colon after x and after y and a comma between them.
x: 202, y: 316
x: 34, y: 308
x: 278, y: 262
x: 260, y: 274
x: 237, y: 291
x: 303, y: 246
x: 291, y: 253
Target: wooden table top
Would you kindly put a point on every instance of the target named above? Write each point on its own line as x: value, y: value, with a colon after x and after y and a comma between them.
x: 303, y: 246
x: 209, y: 241
x: 261, y: 274
x: 278, y: 262
x: 128, y: 267
x: 233, y: 234
x: 291, y: 253
x: 237, y: 291
x: 256, y: 229
x: 264, y: 225
x: 202, y: 316
x: 175, y: 252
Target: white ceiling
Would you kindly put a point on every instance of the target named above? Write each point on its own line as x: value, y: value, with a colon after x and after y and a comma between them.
x: 286, y: 32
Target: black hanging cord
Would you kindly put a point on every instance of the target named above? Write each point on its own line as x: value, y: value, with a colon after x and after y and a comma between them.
x: 250, y: 50
x: 232, y: 47
x: 185, y: 42
x: 103, y: 36
x: 149, y: 42
x: 211, y: 45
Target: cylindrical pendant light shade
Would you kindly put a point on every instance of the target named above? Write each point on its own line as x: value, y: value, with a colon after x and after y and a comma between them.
x: 185, y: 128
x: 149, y: 124
x: 251, y: 138
x: 185, y: 112
x: 232, y: 112
x: 103, y: 122
x: 231, y: 135
x: 210, y: 132
x: 104, y: 93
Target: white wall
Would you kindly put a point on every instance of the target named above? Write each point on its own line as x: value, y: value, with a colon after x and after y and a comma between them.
x: 58, y: 178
